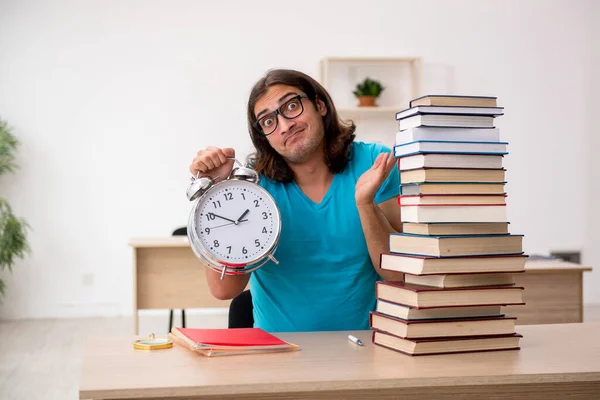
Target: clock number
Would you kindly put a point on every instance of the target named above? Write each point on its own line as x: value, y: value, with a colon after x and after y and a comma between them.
x: 264, y: 230
x: 229, y: 248
x: 256, y: 243
x: 207, y: 230
x: 228, y: 196
x: 244, y: 251
x: 256, y: 203
x: 216, y: 243
x: 210, y: 216
x: 217, y: 204
x: 244, y: 197
x: 265, y: 216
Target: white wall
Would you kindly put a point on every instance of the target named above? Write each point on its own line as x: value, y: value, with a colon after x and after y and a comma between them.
x: 591, y: 250
x: 111, y: 100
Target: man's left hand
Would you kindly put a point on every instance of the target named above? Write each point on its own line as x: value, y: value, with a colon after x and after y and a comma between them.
x: 369, y: 182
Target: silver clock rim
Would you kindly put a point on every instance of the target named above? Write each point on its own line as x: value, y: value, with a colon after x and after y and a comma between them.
x: 213, y: 262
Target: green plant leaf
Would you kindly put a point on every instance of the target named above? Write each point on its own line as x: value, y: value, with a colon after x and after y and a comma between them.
x: 13, y: 236
x: 8, y: 146
x: 13, y: 230
x: 368, y: 87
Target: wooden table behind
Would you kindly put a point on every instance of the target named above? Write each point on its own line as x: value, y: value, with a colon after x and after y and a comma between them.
x: 553, y: 293
x: 168, y: 275
x: 555, y: 361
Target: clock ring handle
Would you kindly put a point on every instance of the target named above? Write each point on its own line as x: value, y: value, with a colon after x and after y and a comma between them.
x: 197, y: 176
x: 236, y: 160
x: 242, y: 172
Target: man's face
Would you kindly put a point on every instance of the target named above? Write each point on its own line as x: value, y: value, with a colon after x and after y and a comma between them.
x: 296, y: 139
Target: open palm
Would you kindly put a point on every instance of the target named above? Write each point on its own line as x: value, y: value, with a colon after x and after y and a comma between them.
x: 370, y: 181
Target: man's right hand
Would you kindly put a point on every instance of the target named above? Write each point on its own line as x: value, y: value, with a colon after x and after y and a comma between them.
x: 213, y: 162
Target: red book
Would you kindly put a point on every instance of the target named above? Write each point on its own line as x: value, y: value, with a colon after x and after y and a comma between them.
x: 438, y: 328
x: 436, y: 199
x: 213, y: 342
x: 430, y: 346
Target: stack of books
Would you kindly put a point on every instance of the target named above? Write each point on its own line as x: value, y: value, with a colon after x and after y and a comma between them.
x: 456, y: 253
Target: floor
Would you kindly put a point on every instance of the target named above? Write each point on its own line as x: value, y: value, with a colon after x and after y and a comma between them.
x: 41, y: 359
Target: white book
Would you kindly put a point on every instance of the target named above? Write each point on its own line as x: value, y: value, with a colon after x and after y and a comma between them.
x: 434, y: 160
x: 460, y: 280
x: 421, y: 214
x: 454, y: 110
x: 418, y: 200
x: 431, y: 146
x: 448, y: 134
x: 449, y: 120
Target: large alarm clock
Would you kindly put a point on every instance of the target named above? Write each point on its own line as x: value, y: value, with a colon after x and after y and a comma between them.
x: 234, y: 225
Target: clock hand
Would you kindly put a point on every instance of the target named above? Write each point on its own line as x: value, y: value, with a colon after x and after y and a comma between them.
x: 242, y: 216
x: 226, y: 219
x: 227, y: 224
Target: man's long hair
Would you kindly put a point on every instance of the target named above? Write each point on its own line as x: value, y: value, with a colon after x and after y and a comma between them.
x: 339, y: 135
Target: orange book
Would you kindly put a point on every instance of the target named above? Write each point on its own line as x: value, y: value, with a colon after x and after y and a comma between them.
x: 216, y: 342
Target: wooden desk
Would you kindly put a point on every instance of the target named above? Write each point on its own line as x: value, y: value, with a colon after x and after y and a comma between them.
x: 555, y: 362
x: 167, y: 274
x: 553, y: 293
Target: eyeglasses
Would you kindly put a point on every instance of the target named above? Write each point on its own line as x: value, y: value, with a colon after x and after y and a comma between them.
x: 288, y: 110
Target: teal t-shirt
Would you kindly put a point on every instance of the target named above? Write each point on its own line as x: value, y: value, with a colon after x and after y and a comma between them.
x: 325, y: 279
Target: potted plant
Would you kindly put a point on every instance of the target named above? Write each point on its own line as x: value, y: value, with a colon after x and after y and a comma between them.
x: 367, y: 92
x: 13, y: 230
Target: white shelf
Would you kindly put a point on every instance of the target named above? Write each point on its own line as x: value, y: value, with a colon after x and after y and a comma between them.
x: 401, y: 77
x: 365, y: 113
x: 378, y: 60
x: 371, y: 110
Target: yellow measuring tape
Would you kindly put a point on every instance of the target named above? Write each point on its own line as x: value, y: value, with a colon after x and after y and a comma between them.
x: 152, y: 343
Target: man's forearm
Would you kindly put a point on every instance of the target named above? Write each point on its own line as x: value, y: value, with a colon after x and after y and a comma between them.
x: 228, y: 287
x: 377, y: 229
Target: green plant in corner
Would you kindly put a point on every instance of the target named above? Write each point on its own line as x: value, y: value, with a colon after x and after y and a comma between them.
x: 13, y: 230
x: 367, y: 91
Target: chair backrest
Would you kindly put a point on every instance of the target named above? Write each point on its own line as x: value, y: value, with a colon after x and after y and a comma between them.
x: 180, y: 231
x: 241, y: 311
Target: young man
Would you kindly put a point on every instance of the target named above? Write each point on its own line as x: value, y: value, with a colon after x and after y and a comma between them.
x: 338, y: 204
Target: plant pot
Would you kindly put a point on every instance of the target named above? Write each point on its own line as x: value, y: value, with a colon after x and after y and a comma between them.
x: 367, y: 101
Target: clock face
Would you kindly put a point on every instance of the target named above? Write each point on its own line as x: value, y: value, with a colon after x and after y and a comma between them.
x: 237, y: 222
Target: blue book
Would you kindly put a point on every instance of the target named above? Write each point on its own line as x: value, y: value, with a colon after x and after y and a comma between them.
x: 451, y: 188
x: 450, y: 147
x: 450, y: 110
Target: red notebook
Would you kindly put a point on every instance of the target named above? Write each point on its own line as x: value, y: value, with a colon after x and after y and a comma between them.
x: 213, y: 342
